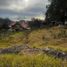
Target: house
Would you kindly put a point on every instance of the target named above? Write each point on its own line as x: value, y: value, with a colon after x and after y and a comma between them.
x: 24, y: 24
x: 17, y: 26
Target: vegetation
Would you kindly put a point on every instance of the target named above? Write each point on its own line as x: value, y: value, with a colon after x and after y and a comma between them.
x: 40, y: 35
x: 55, y: 36
x: 40, y: 60
x: 57, y: 13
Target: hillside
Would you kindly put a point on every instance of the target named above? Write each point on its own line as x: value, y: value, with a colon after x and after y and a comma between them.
x: 27, y: 48
x: 55, y: 36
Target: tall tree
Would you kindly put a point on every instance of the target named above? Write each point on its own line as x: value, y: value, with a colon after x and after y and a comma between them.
x: 57, y: 11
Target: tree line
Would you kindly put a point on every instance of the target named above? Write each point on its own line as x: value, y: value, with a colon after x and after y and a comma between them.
x: 7, y: 24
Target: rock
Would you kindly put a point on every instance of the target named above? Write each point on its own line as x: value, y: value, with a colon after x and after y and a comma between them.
x: 13, y: 49
x: 55, y: 53
x: 61, y: 55
x: 26, y: 49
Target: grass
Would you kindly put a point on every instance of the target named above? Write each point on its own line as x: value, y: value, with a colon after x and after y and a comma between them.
x: 54, y: 38
x: 48, y: 37
x: 14, y: 38
x: 40, y: 60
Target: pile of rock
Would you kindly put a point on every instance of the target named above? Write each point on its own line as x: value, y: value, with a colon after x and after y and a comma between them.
x: 26, y: 49
x: 55, y: 53
x: 13, y: 49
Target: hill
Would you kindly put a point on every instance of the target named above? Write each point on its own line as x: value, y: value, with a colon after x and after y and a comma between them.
x: 46, y: 37
x: 30, y: 44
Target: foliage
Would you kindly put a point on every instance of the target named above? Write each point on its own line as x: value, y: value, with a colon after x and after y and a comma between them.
x: 57, y: 11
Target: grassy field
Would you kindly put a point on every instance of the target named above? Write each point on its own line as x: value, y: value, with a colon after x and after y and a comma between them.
x: 55, y: 37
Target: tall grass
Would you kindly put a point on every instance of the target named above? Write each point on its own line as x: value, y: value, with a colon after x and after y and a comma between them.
x: 40, y: 60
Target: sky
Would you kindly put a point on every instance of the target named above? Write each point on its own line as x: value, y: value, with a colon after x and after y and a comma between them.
x: 22, y: 9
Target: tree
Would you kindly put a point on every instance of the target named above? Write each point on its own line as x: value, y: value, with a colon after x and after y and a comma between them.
x: 4, y: 23
x: 57, y: 11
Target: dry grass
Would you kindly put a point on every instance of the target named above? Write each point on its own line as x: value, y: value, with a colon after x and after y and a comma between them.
x: 48, y: 37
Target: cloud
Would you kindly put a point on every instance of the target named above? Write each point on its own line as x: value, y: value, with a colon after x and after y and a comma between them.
x: 22, y: 7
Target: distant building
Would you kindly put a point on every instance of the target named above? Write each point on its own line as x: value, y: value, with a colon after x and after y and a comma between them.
x: 19, y: 25
x: 24, y: 24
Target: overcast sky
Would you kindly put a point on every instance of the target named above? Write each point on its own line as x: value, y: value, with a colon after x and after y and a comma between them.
x: 22, y: 8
